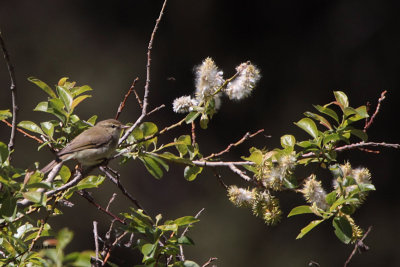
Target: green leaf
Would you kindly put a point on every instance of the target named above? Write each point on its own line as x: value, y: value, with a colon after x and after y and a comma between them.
x: 3, y: 152
x: 64, y: 237
x: 190, y: 173
x: 43, y: 86
x: 56, y: 107
x: 183, y: 142
x: 48, y: 128
x: 66, y: 97
x: 80, y: 90
x: 30, y: 126
x: 185, y: 220
x: 89, y: 182
x: 300, y: 210
x: 171, y: 157
x: 359, y: 133
x: 36, y: 197
x: 256, y: 156
x: 327, y: 111
x: 184, y: 240
x: 343, y: 229
x: 5, y: 114
x: 147, y: 249
x: 341, y: 99
x: 308, y: 228
x: 8, y: 207
x: 92, y: 120
x: 331, y: 198
x: 42, y: 106
x: 152, y: 166
x: 204, y: 121
x: 288, y: 140
x: 309, y: 126
x: 78, y: 100
x: 188, y: 263
x: 319, y: 118
x: 148, y: 128
x: 192, y: 116
x: 62, y: 81
x: 65, y: 174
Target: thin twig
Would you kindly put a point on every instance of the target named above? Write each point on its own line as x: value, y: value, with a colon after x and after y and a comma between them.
x: 110, y: 201
x: 88, y: 197
x: 371, y: 120
x: 112, y: 247
x: 209, y: 261
x: 96, y: 243
x: 138, y: 99
x: 359, y: 145
x: 182, y: 256
x: 122, y: 104
x: 24, y: 133
x: 117, y: 181
x: 359, y: 246
x: 221, y: 163
x: 147, y: 85
x: 227, y: 149
x: 156, y: 109
x: 13, y: 88
x: 219, y: 178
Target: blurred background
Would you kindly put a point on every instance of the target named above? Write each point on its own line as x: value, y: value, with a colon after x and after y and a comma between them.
x: 305, y: 50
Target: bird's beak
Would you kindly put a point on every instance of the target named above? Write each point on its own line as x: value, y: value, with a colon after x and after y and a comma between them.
x: 125, y: 126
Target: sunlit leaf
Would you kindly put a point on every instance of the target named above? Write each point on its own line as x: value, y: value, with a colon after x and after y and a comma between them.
x: 43, y: 86
x: 288, y: 140
x: 309, y: 126
x: 300, y: 210
x: 66, y: 97
x: 48, y: 128
x: 327, y: 111
x: 31, y: 126
x: 5, y: 114
x: 342, y: 99
x: 308, y: 228
x: 319, y: 118
x: 190, y: 173
x: 78, y: 100
x: 343, y: 229
x: 36, y: 197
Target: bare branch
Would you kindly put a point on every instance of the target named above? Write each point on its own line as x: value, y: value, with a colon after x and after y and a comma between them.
x: 359, y: 246
x: 147, y: 85
x: 228, y: 148
x: 369, y: 122
x: 122, y: 104
x: 182, y: 256
x: 88, y: 197
x: 96, y: 243
x: 156, y: 109
x: 110, y: 201
x: 239, y: 172
x: 209, y: 261
x: 13, y: 88
x: 221, y: 163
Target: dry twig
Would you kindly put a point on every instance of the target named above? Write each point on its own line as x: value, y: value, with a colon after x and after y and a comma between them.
x: 13, y: 88
x: 360, y: 246
x: 122, y: 104
x: 378, y: 106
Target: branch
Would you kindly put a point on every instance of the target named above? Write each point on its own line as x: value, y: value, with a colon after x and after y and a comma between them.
x: 370, y: 121
x: 359, y: 246
x: 122, y: 104
x: 24, y: 133
x: 182, y: 256
x: 147, y: 85
x: 221, y: 163
x: 88, y: 197
x: 209, y: 261
x: 96, y: 243
x: 13, y: 88
x: 239, y: 172
x: 244, y: 138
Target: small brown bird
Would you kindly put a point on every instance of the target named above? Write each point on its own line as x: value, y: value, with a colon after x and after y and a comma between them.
x: 92, y: 146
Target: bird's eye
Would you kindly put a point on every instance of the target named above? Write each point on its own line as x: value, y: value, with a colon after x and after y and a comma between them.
x: 113, y: 125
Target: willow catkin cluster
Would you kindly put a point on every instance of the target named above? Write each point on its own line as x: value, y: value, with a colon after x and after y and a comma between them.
x: 262, y: 203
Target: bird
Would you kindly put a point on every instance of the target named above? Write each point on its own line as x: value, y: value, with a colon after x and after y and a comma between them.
x: 92, y: 146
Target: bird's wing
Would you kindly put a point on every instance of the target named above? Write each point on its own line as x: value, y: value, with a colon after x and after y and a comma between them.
x: 84, y: 141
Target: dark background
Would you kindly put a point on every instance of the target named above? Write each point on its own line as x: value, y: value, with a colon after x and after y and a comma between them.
x: 305, y: 50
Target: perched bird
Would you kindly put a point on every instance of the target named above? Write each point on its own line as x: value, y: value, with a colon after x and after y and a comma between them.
x: 92, y: 146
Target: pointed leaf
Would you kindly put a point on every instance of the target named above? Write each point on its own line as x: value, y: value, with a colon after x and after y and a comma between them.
x: 78, y: 100
x: 327, y: 111
x: 31, y: 126
x: 48, y: 128
x: 152, y: 166
x: 308, y: 228
x: 43, y: 86
x: 66, y: 97
x: 36, y: 197
x: 5, y: 114
x: 300, y: 210
x: 80, y: 90
x: 192, y: 116
x: 342, y: 99
x: 319, y: 118
x: 309, y: 126
x: 343, y: 229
